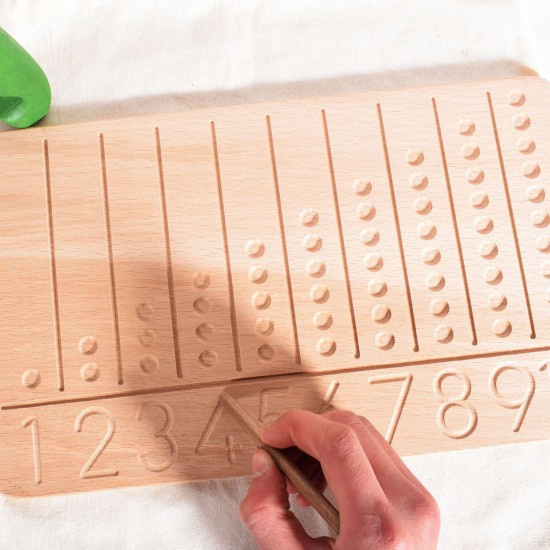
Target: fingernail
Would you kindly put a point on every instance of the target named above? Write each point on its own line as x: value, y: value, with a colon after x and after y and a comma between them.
x: 260, y: 463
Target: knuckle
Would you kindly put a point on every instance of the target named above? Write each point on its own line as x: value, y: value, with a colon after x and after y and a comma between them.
x: 344, y: 442
x: 426, y: 511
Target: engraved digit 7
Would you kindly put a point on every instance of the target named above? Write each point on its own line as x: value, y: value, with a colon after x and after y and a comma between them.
x: 33, y: 422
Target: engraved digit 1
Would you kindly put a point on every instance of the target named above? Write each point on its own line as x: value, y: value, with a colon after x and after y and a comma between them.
x: 523, y: 402
x: 33, y: 422
x: 86, y: 472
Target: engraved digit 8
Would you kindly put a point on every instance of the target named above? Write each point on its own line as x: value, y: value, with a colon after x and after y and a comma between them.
x: 458, y: 401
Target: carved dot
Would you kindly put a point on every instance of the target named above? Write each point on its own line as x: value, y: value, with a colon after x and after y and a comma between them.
x: 266, y: 352
x: 205, y: 332
x: 254, y: 248
x: 516, y: 98
x: 543, y: 243
x: 373, y: 262
x: 422, y: 205
x: 414, y: 156
x: 257, y: 274
x: 525, y: 145
x: 431, y: 255
x: 418, y: 181
x: 149, y: 364
x: 319, y: 294
x: 366, y: 211
x: 466, y: 127
x: 381, y: 313
x: 144, y: 312
x: 470, y: 151
x: 264, y: 326
x: 261, y: 300
x: 439, y: 307
x: 202, y: 305
x: 31, y: 378
x: 502, y: 327
x: 208, y: 359
x: 488, y: 250
x: 322, y: 319
x: 530, y: 169
x: 326, y: 346
x: 484, y: 224
x: 312, y: 242
x: 492, y: 275
x: 497, y: 301
x: 479, y: 199
x: 316, y: 268
x: 443, y: 334
x: 369, y: 236
x: 521, y: 121
x: 89, y: 372
x: 535, y: 193
x: 545, y: 269
x: 426, y: 230
x: 540, y: 218
x: 201, y: 280
x: 377, y: 287
x: 87, y: 345
x: 435, y: 281
x: 384, y: 340
x: 309, y: 217
x: 147, y: 337
x: 475, y: 175
x: 362, y: 186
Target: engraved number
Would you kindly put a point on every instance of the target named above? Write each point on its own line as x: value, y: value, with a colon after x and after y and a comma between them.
x: 33, y: 422
x: 326, y: 405
x: 163, y: 433
x: 523, y: 402
x: 264, y: 416
x: 86, y: 472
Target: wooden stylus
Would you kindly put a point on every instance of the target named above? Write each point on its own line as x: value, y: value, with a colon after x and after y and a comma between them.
x: 327, y: 511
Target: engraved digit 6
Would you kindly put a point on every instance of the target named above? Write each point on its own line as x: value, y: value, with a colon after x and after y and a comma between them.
x: 163, y: 433
x: 86, y: 472
x: 458, y: 401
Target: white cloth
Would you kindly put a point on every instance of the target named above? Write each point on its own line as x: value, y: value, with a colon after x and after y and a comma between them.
x: 112, y: 59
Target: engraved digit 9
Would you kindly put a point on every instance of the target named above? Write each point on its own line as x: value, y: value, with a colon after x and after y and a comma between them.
x: 458, y: 401
x: 523, y: 402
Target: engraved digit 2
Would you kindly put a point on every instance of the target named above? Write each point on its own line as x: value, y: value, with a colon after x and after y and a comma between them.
x: 33, y: 421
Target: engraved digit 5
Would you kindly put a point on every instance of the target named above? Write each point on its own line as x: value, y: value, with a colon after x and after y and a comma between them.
x: 33, y: 422
x: 458, y: 401
x: 86, y: 472
x: 163, y: 433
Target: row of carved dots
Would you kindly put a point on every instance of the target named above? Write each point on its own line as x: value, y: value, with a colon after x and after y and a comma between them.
x: 431, y: 255
x: 205, y: 331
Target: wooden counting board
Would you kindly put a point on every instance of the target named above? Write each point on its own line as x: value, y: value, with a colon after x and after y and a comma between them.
x: 387, y: 253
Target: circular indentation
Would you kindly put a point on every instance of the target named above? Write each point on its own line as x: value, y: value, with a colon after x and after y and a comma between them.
x: 470, y: 151
x: 535, y: 193
x: 322, y: 319
x: 414, y: 157
x: 466, y: 127
x: 316, y: 268
x: 362, y: 186
x: 545, y: 269
x: 257, y: 274
x: 492, y: 275
x: 369, y: 236
x: 422, y: 205
x: 366, y: 211
x: 373, y: 262
x: 443, y: 334
x: 540, y: 218
x: 502, y: 327
x: 525, y: 145
x: 418, y: 180
x: 521, y: 121
x: 439, y: 307
x: 435, y: 281
x: 87, y: 345
x: 31, y: 378
x: 144, y: 311
x: 484, y: 224
x: 312, y: 242
x: 326, y: 346
x: 431, y: 255
x: 89, y: 372
x: 530, y: 169
x: 264, y: 326
x: 208, y: 359
x: 475, y: 175
x: 319, y: 294
x: 497, y: 301
x: 384, y: 340
x: 254, y: 248
x: 380, y: 313
x: 261, y: 300
x: 149, y: 364
x: 147, y: 337
x: 516, y: 98
x: 479, y: 199
x: 426, y: 230
x: 266, y: 352
x: 488, y: 250
x: 202, y: 305
x: 309, y: 217
x: 377, y: 287
x: 543, y: 243
x: 205, y: 332
x: 201, y: 280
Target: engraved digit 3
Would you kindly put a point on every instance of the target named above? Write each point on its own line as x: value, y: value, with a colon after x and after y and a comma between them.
x: 458, y: 401
x: 86, y: 472
x: 33, y: 422
x: 163, y: 433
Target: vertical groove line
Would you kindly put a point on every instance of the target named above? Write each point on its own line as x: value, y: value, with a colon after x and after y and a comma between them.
x: 297, y: 356
x: 168, y: 255
x: 455, y: 223
x: 231, y: 293
x: 340, y: 234
x: 112, y: 281
x: 53, y: 267
x: 397, y: 226
x: 512, y: 218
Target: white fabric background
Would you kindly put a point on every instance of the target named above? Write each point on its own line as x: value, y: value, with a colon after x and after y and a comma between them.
x: 112, y: 59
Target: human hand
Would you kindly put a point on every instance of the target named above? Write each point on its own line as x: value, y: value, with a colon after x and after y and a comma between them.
x: 382, y: 505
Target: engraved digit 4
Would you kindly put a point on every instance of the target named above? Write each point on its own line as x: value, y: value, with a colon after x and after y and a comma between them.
x: 33, y: 422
